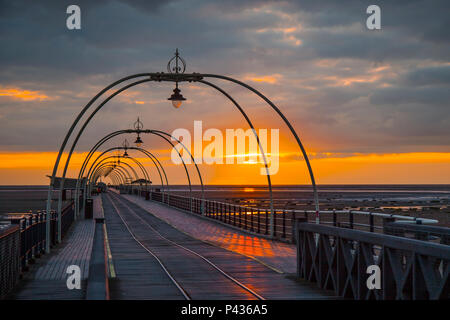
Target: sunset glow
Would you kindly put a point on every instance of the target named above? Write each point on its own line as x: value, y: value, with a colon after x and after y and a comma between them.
x: 21, y: 94
x: 428, y: 168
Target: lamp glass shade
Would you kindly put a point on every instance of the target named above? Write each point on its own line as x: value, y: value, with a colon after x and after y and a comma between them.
x: 176, y: 98
x: 177, y: 103
x: 138, y: 142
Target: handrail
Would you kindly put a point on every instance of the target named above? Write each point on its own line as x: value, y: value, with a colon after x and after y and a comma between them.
x: 406, y: 268
x: 437, y: 250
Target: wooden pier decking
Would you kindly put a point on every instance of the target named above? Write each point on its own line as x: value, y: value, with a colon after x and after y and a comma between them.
x: 46, y: 279
x: 153, y: 260
x: 197, y: 277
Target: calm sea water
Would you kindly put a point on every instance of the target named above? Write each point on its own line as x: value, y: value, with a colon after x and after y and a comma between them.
x: 26, y: 198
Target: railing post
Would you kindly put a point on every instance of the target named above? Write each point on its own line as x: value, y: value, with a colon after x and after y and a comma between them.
x: 351, y: 219
x: 371, y: 222
x: 267, y: 222
x: 258, y: 221
x: 334, y: 218
x: 284, y: 223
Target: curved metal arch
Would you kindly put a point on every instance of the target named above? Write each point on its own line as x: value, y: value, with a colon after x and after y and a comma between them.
x: 120, y: 169
x: 116, y: 133
x: 144, y: 171
x: 176, y: 78
x: 113, y: 177
x: 93, y: 168
x: 61, y: 150
x: 153, y: 158
x: 123, y: 170
x: 147, y: 153
x: 80, y: 132
x: 119, y: 174
x: 139, y: 149
x: 286, y: 121
x: 249, y: 122
x: 104, y: 171
x: 114, y: 174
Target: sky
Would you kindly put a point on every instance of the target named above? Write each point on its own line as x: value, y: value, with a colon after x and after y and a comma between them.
x: 370, y: 106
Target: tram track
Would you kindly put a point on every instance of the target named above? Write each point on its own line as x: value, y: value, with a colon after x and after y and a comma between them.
x: 143, y: 237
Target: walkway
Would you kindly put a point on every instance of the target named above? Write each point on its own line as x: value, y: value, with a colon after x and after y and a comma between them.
x: 140, y: 241
x: 46, y: 279
x: 277, y: 255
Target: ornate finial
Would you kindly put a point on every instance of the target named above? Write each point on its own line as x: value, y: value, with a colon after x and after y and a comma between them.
x: 125, y: 144
x: 173, y: 66
x: 138, y: 125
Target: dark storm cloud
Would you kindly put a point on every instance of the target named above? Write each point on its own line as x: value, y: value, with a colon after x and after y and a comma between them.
x: 334, y: 78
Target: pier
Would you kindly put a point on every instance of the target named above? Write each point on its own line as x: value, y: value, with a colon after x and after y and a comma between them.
x: 137, y: 248
x: 133, y: 238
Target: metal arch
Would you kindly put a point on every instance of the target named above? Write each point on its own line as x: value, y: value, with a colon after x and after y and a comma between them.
x: 102, y: 171
x: 159, y: 132
x: 148, y: 154
x: 154, y: 159
x: 161, y: 77
x: 121, y: 174
x: 123, y: 170
x: 249, y: 122
x: 111, y: 164
x: 112, y: 175
x: 118, y: 173
x: 100, y: 165
x: 81, y: 132
x: 93, y: 168
x: 286, y: 121
x: 131, y: 148
x: 98, y: 144
x: 144, y: 171
x: 116, y: 133
x: 120, y: 170
x: 64, y: 143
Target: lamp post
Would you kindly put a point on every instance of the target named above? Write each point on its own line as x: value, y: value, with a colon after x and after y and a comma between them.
x: 138, y: 125
x: 176, y: 97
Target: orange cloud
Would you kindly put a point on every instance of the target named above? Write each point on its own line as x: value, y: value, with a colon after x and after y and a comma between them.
x: 267, y: 79
x: 25, y: 95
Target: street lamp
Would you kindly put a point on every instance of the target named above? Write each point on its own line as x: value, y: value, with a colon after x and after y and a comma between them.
x: 125, y: 145
x: 138, y: 125
x: 176, y: 97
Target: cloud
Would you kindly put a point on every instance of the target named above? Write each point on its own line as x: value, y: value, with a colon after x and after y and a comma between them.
x: 345, y: 88
x: 21, y: 94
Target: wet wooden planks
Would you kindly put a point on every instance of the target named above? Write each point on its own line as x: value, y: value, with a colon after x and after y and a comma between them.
x: 47, y: 278
x: 200, y: 280
x: 138, y: 274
